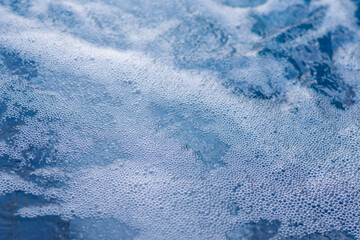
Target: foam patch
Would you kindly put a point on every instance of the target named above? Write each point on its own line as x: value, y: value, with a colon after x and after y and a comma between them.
x: 179, y: 119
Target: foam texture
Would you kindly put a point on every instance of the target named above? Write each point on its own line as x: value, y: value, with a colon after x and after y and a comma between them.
x: 205, y: 119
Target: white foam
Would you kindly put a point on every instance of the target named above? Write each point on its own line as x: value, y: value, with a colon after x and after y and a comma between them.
x: 93, y: 102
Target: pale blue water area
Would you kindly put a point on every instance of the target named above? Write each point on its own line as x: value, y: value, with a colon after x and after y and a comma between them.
x: 179, y: 119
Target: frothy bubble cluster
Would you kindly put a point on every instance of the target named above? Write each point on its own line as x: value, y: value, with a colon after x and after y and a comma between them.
x: 182, y: 119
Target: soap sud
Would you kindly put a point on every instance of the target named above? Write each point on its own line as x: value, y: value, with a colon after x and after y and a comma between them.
x: 291, y: 158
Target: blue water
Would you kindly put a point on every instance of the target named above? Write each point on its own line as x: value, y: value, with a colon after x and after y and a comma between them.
x: 203, y: 119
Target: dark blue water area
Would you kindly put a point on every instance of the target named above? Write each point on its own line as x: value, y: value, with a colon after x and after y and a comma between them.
x: 266, y: 230
x: 311, y: 64
x: 16, y: 227
x: 13, y: 226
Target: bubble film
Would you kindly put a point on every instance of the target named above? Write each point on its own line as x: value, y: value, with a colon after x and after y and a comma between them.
x: 202, y: 119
